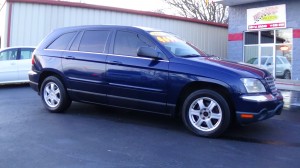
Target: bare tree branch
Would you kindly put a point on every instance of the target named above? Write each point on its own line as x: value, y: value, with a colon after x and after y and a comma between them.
x: 199, y: 9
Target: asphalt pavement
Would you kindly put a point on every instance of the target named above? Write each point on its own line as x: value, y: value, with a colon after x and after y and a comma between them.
x: 93, y: 136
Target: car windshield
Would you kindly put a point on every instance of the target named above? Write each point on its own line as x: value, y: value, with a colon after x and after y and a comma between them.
x: 255, y: 60
x: 177, y: 46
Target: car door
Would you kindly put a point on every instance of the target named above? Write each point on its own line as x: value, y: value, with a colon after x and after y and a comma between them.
x: 84, y: 65
x: 136, y: 82
x: 24, y: 63
x: 8, y: 65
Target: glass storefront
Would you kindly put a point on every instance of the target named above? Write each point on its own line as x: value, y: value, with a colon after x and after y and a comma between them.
x: 270, y: 50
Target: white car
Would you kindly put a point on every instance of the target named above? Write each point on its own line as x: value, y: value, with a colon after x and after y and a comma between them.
x: 283, y: 66
x: 15, y: 62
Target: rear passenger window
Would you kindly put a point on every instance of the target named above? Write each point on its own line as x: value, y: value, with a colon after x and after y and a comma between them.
x: 94, y: 41
x: 26, y: 53
x: 127, y: 43
x: 62, y: 42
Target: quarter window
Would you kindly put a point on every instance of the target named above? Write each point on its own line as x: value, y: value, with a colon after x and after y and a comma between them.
x: 62, y: 42
x: 94, y: 41
x: 76, y: 42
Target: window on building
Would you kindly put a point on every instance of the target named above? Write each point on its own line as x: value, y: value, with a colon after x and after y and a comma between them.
x: 127, y: 43
x: 284, y: 36
x: 94, y: 41
x: 267, y: 37
x: 62, y: 42
x: 250, y: 54
x: 251, y: 37
x: 276, y: 45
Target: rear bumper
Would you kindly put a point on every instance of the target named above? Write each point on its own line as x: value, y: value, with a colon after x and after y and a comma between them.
x: 33, y: 80
x: 34, y: 86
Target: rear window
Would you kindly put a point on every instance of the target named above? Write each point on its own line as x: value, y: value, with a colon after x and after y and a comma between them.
x: 62, y: 42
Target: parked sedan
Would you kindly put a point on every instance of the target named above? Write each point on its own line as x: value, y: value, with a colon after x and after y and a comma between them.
x: 15, y: 62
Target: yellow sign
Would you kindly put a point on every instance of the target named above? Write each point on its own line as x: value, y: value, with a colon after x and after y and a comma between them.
x: 164, y: 37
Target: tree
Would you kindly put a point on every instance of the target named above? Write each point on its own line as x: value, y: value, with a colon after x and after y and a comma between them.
x: 201, y: 9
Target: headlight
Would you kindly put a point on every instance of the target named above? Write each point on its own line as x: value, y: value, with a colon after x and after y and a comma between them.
x: 253, y: 85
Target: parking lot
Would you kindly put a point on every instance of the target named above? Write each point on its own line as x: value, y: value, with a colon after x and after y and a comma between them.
x: 94, y: 136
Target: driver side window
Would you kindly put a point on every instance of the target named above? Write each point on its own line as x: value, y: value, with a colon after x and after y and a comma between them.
x: 127, y: 43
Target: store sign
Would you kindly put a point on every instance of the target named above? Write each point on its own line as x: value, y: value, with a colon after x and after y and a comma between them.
x: 270, y: 17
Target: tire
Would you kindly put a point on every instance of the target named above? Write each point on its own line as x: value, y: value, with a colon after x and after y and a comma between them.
x: 287, y: 74
x: 54, y: 95
x: 206, y: 113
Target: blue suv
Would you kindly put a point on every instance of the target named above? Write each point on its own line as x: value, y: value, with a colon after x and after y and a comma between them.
x: 152, y: 71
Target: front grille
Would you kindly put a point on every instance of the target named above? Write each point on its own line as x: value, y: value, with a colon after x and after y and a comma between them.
x: 271, y: 83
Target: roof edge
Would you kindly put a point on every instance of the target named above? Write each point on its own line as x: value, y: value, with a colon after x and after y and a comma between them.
x: 107, y: 8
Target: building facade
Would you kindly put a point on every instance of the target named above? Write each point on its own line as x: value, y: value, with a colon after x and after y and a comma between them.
x: 27, y: 22
x: 266, y: 33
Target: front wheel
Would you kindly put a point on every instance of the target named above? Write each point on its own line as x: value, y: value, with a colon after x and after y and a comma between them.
x: 206, y: 113
x: 54, y: 95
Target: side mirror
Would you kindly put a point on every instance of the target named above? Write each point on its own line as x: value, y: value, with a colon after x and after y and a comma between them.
x: 268, y: 64
x: 147, y: 52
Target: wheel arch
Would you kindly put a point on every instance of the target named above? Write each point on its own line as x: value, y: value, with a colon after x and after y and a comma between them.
x: 222, y: 88
x: 49, y: 72
x: 287, y: 71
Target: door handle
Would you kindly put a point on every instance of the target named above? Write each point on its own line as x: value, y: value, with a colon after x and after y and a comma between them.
x: 116, y: 62
x: 70, y: 57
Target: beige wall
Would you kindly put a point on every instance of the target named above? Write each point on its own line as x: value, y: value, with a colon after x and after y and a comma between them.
x: 31, y: 22
x: 3, y: 23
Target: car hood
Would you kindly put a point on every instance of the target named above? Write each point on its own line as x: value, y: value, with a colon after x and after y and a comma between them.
x: 237, y: 67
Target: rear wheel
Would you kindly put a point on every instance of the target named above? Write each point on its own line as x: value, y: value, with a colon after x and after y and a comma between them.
x: 206, y: 113
x: 54, y: 95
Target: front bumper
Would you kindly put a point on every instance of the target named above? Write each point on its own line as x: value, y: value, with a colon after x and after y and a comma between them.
x: 261, y: 108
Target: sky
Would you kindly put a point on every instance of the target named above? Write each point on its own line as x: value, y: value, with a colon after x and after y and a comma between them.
x: 145, y: 5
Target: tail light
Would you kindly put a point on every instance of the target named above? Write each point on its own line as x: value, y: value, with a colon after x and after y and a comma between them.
x: 32, y: 59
